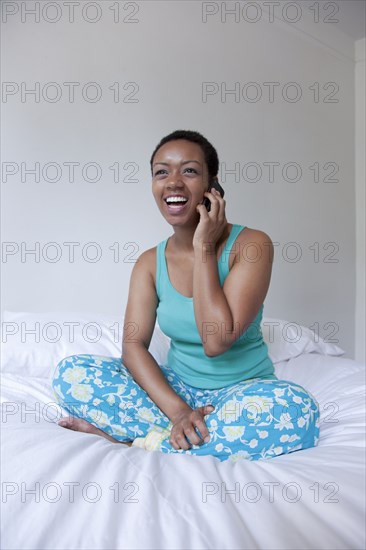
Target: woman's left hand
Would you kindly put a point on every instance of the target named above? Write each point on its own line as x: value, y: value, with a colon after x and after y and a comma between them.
x: 212, y: 224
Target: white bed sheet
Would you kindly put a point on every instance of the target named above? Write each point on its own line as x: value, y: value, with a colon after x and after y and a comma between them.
x: 94, y: 494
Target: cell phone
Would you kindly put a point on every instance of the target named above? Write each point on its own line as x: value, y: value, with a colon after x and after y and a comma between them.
x: 213, y: 184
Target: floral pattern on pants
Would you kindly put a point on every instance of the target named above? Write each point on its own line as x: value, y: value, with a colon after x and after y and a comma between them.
x: 253, y: 419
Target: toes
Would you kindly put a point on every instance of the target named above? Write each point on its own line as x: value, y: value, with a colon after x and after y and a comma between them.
x: 77, y: 424
x: 66, y: 423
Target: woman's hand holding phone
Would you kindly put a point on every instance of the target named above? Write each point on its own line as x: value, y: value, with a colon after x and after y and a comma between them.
x: 212, y: 224
x: 184, y: 425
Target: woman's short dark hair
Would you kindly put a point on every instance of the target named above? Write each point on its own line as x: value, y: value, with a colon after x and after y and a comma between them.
x: 209, y: 151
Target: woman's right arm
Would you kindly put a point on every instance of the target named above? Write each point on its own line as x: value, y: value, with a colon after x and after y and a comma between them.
x: 139, y: 324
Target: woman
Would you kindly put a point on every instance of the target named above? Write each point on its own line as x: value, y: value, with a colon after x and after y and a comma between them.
x: 217, y: 394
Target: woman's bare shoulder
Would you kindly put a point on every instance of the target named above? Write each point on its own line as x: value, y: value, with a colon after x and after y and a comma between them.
x: 248, y: 234
x: 255, y: 237
x: 148, y: 259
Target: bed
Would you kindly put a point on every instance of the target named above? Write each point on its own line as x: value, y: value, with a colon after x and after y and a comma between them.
x: 66, y: 490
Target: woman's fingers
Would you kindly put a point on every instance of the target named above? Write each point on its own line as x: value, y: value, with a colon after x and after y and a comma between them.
x: 182, y: 442
x: 184, y: 439
x: 218, y: 203
x: 178, y: 439
x: 201, y: 426
x: 213, y: 198
x: 183, y: 434
x: 188, y: 437
x: 193, y: 436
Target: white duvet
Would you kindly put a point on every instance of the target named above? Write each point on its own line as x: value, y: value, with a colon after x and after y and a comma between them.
x: 66, y: 490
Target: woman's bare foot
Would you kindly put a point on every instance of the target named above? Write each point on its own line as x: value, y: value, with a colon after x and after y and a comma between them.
x: 81, y: 425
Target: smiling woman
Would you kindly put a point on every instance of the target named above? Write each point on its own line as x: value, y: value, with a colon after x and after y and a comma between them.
x: 217, y: 392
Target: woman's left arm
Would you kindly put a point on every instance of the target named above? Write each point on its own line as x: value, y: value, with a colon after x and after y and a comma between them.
x: 224, y: 314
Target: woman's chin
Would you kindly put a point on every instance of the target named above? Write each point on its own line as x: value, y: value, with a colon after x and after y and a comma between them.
x: 183, y: 218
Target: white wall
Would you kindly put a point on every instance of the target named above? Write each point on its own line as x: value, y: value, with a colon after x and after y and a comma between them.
x: 360, y: 89
x: 169, y: 52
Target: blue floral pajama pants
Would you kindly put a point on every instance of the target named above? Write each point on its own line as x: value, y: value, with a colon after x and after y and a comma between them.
x: 253, y: 419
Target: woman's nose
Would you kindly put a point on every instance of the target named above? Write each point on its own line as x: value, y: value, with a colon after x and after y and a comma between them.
x: 175, y: 181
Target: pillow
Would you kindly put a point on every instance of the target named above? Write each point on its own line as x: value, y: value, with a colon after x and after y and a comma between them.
x: 286, y: 340
x: 34, y: 343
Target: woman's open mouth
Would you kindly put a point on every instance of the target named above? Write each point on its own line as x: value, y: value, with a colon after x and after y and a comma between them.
x: 176, y: 205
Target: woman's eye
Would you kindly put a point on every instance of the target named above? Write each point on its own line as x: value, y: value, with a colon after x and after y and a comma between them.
x: 162, y: 171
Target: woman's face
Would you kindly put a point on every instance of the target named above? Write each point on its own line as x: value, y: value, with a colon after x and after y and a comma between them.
x: 179, y: 168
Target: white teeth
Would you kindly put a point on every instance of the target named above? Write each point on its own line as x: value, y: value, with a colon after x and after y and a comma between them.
x: 175, y: 199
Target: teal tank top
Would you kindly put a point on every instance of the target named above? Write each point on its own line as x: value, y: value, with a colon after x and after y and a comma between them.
x: 248, y: 356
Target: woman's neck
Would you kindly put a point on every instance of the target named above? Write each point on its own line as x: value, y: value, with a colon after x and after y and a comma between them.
x: 183, y: 238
